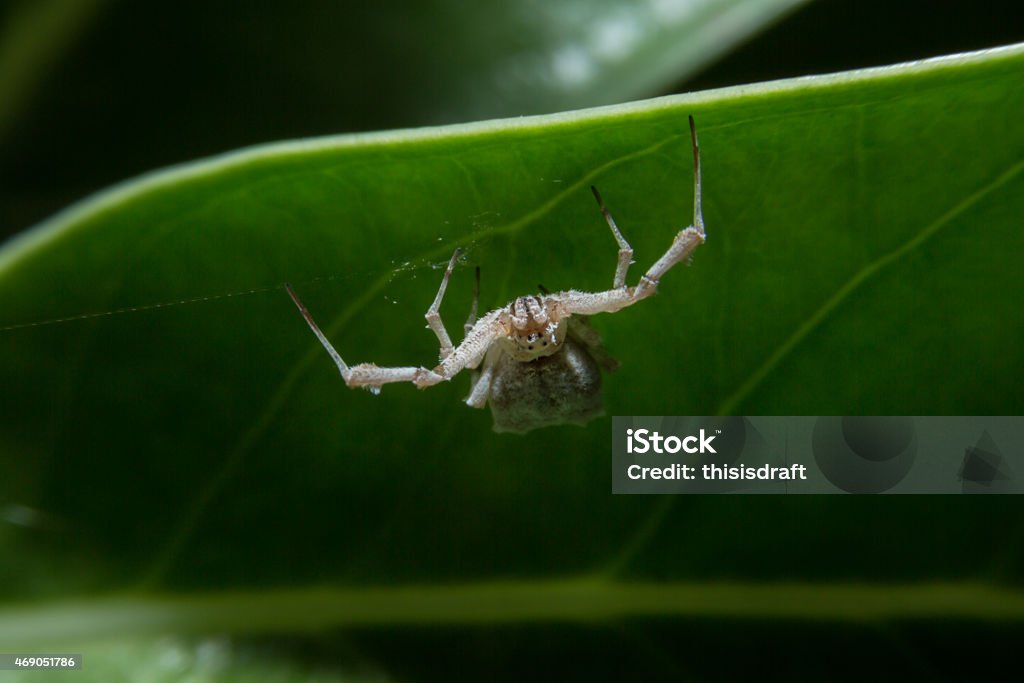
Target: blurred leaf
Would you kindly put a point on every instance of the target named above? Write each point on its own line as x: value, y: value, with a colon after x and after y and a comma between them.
x: 536, y: 601
x: 863, y: 235
x: 409, y: 62
x: 537, y: 57
x: 168, y: 660
x: 32, y: 39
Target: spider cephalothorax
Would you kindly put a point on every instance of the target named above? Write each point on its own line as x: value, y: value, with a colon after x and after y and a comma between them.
x: 533, y: 327
x: 536, y: 361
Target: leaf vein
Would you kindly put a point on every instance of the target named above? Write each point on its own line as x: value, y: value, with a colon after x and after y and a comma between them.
x: 818, y: 317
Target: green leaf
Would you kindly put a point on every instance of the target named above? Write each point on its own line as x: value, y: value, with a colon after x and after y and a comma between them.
x: 863, y: 236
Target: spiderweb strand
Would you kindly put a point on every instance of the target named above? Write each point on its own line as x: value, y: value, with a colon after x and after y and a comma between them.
x: 402, y: 268
x: 150, y: 307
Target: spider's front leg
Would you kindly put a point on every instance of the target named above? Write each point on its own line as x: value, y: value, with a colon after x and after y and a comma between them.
x: 683, y: 245
x: 365, y: 375
x: 369, y: 376
x: 686, y: 240
x: 372, y: 377
x: 469, y: 354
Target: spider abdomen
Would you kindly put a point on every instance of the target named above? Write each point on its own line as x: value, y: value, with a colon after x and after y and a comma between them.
x: 550, y: 390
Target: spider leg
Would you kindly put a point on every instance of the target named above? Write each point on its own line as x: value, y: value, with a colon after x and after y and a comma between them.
x: 471, y: 320
x: 335, y: 356
x: 625, y: 251
x: 433, y: 314
x: 687, y: 240
x: 471, y: 351
x: 364, y: 375
x: 683, y: 245
x: 480, y: 389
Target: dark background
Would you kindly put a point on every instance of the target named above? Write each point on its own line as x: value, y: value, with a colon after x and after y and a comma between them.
x: 150, y: 84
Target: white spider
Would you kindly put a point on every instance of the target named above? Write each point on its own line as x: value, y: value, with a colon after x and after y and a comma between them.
x: 533, y: 361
